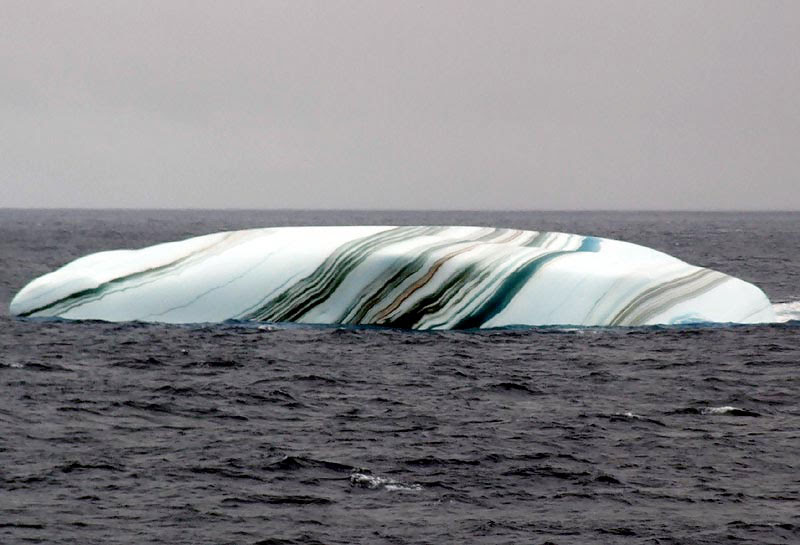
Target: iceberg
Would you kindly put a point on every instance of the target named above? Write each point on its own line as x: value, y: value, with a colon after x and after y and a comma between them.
x: 418, y: 277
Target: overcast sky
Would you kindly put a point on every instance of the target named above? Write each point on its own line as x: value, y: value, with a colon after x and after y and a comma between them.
x: 400, y: 104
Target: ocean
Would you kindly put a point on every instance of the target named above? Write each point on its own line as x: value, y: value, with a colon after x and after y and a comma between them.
x: 275, y: 434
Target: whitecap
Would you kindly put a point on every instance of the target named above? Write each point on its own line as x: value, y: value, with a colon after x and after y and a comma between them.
x: 373, y: 482
x: 719, y: 410
x: 787, y: 311
x: 731, y: 411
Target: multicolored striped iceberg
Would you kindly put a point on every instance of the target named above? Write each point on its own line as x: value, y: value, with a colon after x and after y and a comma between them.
x: 409, y: 277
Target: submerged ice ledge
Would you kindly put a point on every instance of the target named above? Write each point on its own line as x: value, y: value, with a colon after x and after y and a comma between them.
x: 411, y: 277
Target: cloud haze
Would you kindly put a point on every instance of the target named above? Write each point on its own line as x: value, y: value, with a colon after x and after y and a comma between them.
x: 441, y: 104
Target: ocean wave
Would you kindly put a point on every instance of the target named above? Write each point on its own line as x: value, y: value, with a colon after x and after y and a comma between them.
x: 725, y: 410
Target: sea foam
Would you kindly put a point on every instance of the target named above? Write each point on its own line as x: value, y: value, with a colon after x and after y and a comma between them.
x: 786, y: 312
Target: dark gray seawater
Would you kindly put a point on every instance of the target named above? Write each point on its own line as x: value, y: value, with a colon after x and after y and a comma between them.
x: 234, y: 433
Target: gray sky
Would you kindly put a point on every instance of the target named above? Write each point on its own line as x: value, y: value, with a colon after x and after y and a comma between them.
x: 400, y: 104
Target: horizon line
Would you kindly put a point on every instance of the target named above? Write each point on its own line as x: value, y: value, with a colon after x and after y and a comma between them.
x: 316, y: 209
